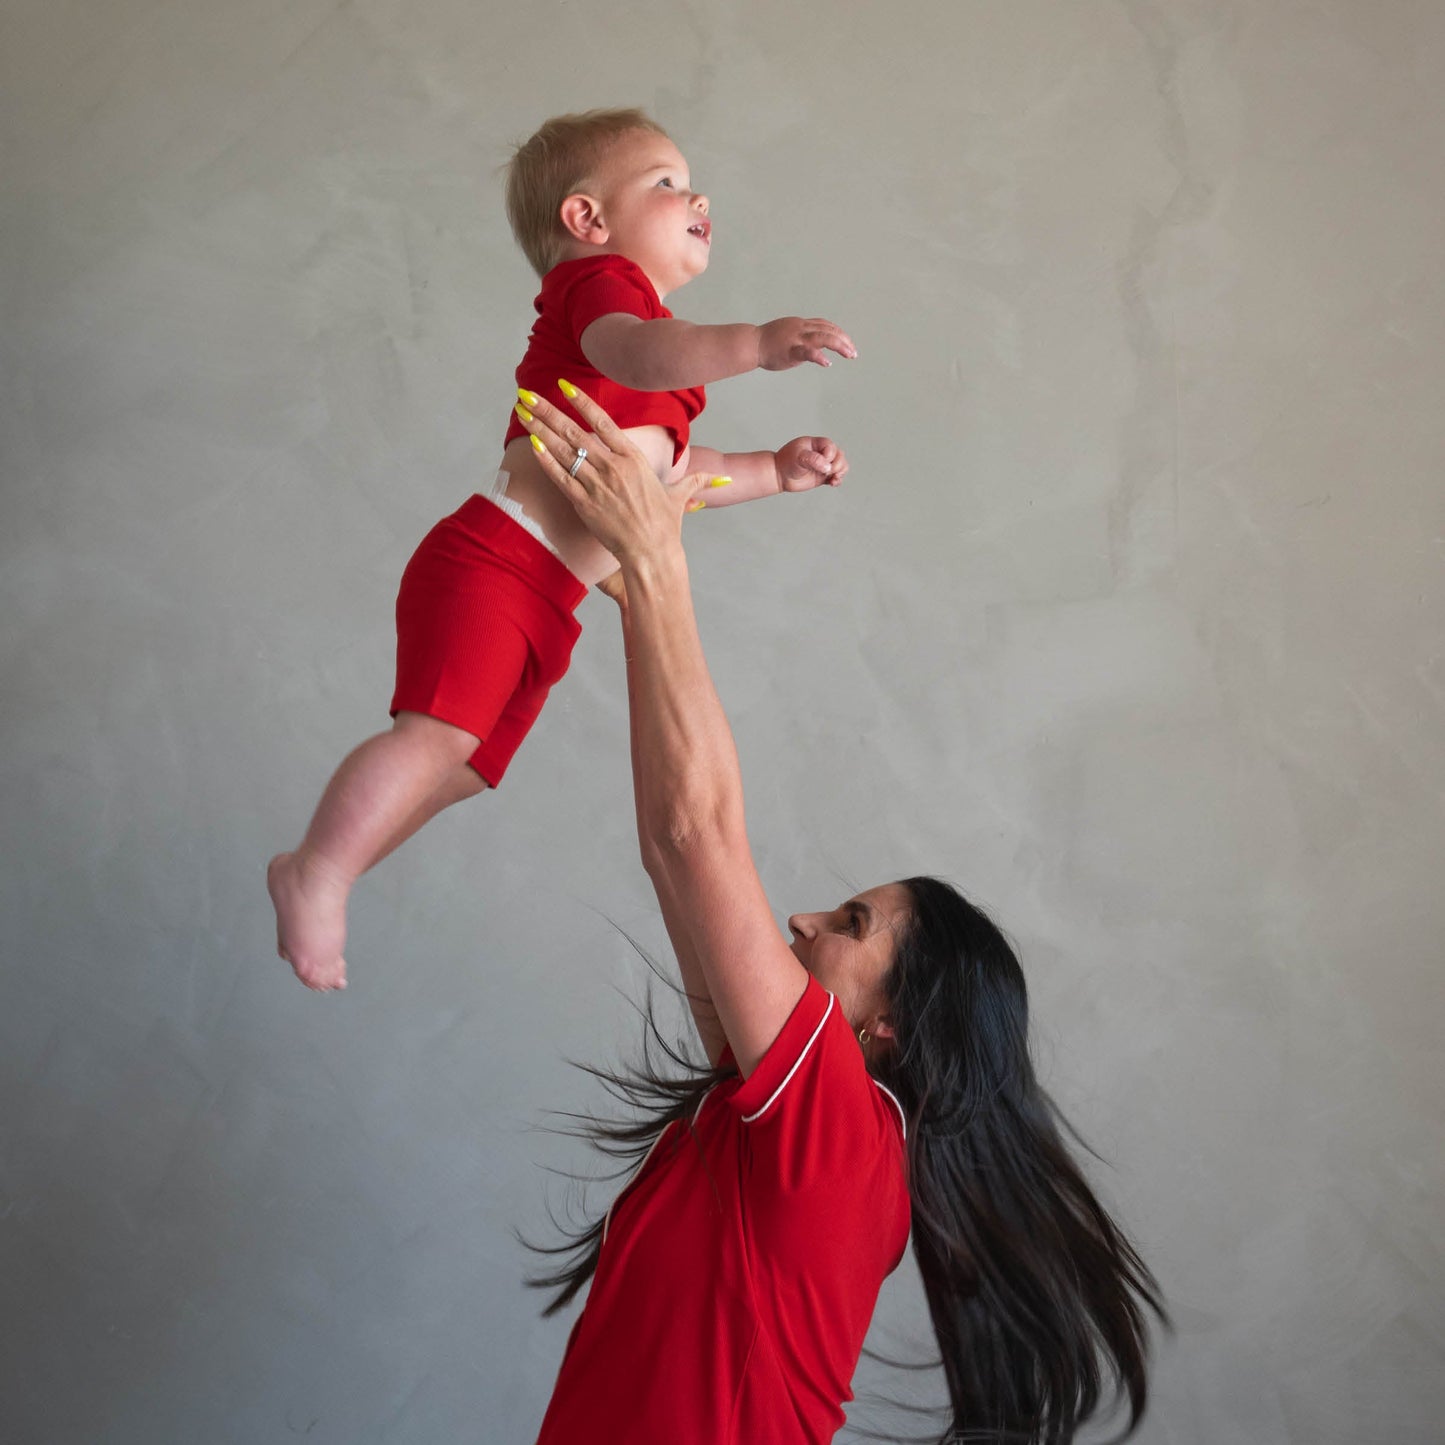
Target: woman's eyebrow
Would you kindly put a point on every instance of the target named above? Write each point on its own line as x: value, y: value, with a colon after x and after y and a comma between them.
x: 864, y: 912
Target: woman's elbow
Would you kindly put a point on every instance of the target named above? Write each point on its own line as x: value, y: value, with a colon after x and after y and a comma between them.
x: 674, y: 833
x: 675, y: 836
x: 652, y: 857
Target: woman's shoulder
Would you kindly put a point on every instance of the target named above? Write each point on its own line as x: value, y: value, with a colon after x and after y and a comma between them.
x: 812, y: 1093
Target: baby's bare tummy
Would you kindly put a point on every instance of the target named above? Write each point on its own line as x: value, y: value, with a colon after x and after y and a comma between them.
x: 529, y: 486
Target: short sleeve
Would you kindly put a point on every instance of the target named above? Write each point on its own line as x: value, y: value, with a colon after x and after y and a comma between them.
x: 786, y: 1053
x: 815, y: 1116
x: 613, y: 284
x: 825, y: 1177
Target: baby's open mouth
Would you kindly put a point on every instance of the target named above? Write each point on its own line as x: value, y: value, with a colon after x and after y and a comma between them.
x: 702, y: 230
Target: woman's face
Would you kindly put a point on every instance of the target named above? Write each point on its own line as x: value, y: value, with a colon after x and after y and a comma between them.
x: 850, y: 951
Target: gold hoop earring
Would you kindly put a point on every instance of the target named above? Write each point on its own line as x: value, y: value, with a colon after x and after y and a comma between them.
x: 864, y: 1036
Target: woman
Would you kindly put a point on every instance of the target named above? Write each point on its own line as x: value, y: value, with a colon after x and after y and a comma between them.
x: 871, y: 1076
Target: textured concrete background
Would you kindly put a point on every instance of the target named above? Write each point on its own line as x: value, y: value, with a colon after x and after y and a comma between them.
x: 1129, y: 618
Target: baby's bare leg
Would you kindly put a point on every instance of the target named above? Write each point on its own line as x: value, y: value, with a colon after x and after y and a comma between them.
x: 462, y: 782
x: 381, y: 794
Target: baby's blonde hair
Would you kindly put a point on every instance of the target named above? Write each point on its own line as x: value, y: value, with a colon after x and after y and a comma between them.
x: 555, y: 163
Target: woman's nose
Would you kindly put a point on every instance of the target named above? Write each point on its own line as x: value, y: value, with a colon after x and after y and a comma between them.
x: 798, y: 925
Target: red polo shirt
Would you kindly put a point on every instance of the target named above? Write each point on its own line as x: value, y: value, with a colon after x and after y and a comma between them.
x: 575, y: 294
x: 741, y: 1265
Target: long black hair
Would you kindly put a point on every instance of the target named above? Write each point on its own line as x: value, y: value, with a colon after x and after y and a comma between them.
x: 1037, y: 1299
x: 664, y: 1086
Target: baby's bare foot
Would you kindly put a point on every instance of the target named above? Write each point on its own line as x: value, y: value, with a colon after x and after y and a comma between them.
x: 310, y: 908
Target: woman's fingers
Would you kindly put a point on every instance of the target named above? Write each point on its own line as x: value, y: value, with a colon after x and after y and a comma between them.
x: 615, y: 492
x: 598, y: 420
x: 560, y: 426
x: 558, y: 432
x: 690, y: 487
x: 569, y: 486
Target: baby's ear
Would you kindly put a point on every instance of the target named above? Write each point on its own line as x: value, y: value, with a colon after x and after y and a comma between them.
x: 581, y: 218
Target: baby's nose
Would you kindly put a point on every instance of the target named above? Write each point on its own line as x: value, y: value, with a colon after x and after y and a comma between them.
x: 700, y: 201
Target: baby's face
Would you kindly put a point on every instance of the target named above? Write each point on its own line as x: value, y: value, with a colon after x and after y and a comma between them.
x: 653, y: 216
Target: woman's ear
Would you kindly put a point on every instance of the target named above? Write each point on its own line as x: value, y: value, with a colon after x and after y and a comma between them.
x: 882, y: 1028
x: 581, y: 217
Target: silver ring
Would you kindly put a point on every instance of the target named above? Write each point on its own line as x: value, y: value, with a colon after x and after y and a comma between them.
x: 577, y: 465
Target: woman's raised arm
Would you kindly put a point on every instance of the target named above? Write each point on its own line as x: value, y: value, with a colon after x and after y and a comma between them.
x: 688, y: 786
x: 689, y: 966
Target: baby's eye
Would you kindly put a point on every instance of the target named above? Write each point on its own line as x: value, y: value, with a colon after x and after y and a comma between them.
x: 665, y: 182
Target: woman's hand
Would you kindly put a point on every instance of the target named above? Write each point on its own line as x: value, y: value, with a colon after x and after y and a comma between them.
x: 614, y: 491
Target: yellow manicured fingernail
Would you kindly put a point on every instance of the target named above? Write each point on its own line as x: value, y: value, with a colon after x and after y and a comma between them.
x: 529, y: 398
x: 522, y: 412
x: 721, y: 482
x: 566, y: 387
x: 537, y: 445
x: 696, y: 506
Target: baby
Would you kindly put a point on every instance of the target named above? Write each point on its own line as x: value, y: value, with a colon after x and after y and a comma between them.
x: 602, y: 205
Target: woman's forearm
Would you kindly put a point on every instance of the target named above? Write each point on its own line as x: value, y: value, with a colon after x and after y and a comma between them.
x: 689, y: 788
x: 689, y: 791
x: 644, y: 788
x: 674, y: 915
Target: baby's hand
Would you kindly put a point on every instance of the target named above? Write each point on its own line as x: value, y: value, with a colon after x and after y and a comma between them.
x: 791, y: 340
x: 808, y: 462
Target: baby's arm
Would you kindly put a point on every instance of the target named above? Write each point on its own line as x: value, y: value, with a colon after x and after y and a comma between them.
x: 667, y: 354
x: 800, y: 464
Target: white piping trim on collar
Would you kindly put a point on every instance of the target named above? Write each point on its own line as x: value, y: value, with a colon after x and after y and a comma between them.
x: 748, y: 1118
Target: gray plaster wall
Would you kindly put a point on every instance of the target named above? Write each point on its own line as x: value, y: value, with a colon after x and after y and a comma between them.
x: 1128, y: 618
